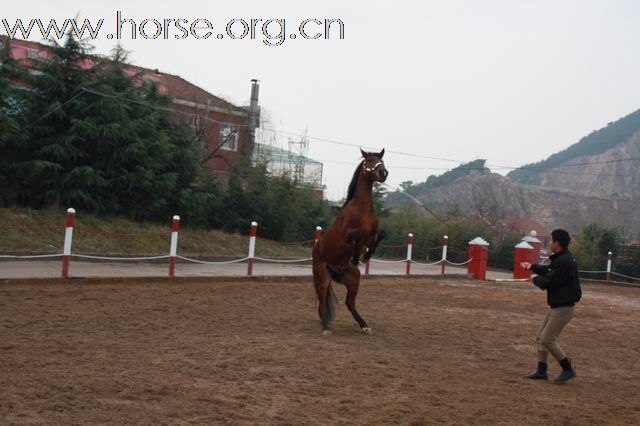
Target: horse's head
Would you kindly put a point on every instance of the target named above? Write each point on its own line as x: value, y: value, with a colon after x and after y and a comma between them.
x: 373, y: 166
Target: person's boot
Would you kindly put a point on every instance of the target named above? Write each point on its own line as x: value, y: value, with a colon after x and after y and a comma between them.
x: 567, y: 371
x: 540, y: 373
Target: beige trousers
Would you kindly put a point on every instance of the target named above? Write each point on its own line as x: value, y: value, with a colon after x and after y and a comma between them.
x: 554, y: 322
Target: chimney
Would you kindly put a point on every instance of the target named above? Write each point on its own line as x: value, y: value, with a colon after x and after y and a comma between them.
x: 254, y: 114
x: 255, y: 89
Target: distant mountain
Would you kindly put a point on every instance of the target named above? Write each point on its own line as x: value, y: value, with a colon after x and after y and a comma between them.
x: 494, y: 198
x: 473, y: 168
x: 586, y: 183
x: 592, y: 166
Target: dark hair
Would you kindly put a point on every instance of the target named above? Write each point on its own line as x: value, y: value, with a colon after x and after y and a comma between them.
x: 562, y: 237
x: 352, y: 186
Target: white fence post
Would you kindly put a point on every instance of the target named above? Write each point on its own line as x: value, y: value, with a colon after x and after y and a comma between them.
x: 445, y: 245
x: 68, y: 240
x: 252, y: 247
x: 173, y: 250
x: 609, y: 261
x: 409, y: 253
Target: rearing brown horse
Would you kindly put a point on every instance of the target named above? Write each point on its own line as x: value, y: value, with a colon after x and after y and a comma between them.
x: 354, y: 231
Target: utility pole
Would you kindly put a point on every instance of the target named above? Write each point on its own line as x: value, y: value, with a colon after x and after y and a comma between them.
x: 298, y: 150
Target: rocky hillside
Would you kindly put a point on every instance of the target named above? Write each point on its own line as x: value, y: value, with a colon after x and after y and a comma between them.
x: 596, y: 180
x: 494, y: 197
x: 605, y: 163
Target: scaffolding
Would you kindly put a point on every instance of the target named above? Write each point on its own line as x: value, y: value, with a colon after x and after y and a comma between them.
x: 292, y: 162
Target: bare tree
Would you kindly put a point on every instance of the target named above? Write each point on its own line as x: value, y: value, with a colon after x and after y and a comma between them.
x: 226, y: 139
x: 488, y: 201
x: 204, y: 126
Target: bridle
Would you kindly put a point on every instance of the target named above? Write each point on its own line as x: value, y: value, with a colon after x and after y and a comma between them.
x: 371, y: 169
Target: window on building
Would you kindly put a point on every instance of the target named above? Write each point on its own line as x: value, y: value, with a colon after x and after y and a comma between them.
x: 228, y: 137
x: 33, y: 53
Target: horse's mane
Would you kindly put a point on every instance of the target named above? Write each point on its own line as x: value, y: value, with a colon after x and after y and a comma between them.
x: 353, y: 184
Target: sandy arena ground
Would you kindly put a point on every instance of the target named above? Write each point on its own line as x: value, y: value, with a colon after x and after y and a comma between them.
x: 236, y: 351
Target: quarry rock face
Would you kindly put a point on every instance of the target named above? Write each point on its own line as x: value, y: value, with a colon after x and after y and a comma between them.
x: 601, y: 175
x: 495, y: 197
x: 596, y: 180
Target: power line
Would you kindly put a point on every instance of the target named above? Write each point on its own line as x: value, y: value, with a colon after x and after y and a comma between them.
x: 82, y: 90
x: 571, y: 165
x: 335, y: 142
x: 331, y: 141
x: 470, y: 168
x: 166, y: 109
x: 148, y: 104
x: 490, y: 165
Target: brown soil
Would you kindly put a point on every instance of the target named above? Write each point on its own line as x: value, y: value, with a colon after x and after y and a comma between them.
x: 252, y: 352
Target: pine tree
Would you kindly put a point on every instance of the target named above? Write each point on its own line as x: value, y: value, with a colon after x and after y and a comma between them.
x: 12, y: 136
x: 101, y: 139
x: 149, y: 159
x: 57, y: 169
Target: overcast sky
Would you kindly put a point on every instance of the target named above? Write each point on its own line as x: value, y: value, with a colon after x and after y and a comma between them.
x: 509, y: 81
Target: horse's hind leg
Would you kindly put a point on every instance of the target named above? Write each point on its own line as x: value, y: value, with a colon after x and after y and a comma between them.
x: 321, y: 281
x: 352, y: 281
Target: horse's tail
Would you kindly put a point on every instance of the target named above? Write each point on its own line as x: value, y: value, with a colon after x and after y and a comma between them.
x: 329, y: 307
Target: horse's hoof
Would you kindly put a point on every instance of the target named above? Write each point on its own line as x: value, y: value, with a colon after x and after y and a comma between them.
x: 367, y: 330
x: 326, y: 332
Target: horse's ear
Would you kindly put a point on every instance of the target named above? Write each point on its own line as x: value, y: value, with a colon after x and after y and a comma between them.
x: 381, y: 154
x: 364, y: 154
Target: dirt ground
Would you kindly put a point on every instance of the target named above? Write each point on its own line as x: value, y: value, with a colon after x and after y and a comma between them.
x: 229, y: 351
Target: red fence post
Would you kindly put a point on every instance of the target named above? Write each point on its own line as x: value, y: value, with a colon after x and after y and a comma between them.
x: 366, y: 267
x: 483, y: 251
x: 173, y: 249
x: 523, y: 253
x: 68, y: 240
x: 445, y: 245
x: 609, y: 261
x: 318, y: 234
x: 536, y: 244
x: 409, y: 250
x: 252, y: 247
x: 478, y: 256
x: 472, y: 265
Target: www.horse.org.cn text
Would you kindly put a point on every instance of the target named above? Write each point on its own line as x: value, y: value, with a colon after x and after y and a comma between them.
x: 269, y: 31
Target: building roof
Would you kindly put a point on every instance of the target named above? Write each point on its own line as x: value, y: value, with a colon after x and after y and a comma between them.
x: 278, y: 154
x: 180, y: 88
x: 525, y: 225
x: 173, y: 85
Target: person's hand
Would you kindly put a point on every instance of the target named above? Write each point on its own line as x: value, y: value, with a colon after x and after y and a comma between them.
x: 525, y: 265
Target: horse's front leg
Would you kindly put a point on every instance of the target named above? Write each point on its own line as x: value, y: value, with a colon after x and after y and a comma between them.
x: 355, y: 238
x: 374, y: 245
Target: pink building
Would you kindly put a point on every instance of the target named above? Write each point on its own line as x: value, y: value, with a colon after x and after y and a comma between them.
x: 223, y: 128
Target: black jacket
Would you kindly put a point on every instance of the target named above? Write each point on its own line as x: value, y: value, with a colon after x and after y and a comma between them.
x: 560, y: 279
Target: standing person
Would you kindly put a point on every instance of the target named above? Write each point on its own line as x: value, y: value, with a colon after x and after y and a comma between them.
x: 561, y: 281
